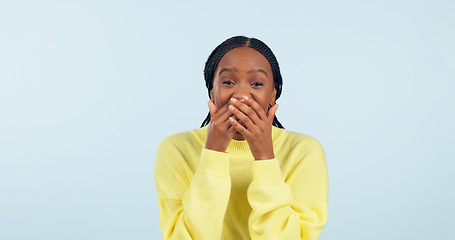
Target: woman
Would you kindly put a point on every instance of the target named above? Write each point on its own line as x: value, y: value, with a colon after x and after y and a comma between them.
x: 241, y: 175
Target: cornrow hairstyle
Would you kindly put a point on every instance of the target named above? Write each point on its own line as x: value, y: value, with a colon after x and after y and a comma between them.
x: 235, y: 42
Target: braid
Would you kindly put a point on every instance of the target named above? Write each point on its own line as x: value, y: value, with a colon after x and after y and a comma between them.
x: 206, y: 120
x: 241, y: 41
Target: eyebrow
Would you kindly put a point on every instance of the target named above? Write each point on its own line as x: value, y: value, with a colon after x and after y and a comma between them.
x: 228, y: 70
x: 254, y: 70
x: 257, y: 70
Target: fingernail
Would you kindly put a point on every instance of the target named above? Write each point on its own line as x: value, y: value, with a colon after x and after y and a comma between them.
x: 233, y: 100
x: 245, y: 97
x: 231, y: 107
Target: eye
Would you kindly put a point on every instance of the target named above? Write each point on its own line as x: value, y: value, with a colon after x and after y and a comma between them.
x: 257, y: 84
x: 227, y: 82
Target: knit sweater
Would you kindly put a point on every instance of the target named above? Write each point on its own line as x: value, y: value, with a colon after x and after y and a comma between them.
x: 205, y: 194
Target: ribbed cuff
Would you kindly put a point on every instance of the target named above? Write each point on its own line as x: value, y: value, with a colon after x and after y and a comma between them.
x: 214, y: 163
x: 266, y: 172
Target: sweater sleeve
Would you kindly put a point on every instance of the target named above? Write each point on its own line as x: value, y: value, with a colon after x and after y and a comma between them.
x: 192, y: 208
x: 291, y: 209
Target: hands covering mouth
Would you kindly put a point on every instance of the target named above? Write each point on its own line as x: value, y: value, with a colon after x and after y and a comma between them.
x: 248, y: 118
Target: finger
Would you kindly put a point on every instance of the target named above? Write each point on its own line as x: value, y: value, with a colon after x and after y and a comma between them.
x: 242, y: 116
x: 256, y: 107
x: 240, y: 106
x: 225, y: 106
x: 215, y: 112
x: 238, y: 127
x: 271, y: 112
x: 212, y: 108
x: 223, y: 116
x: 231, y: 130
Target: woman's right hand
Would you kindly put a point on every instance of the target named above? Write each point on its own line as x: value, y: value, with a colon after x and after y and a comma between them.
x: 220, y: 130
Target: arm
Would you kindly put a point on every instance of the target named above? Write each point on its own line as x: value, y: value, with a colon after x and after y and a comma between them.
x: 191, y: 208
x: 194, y: 208
x: 291, y: 209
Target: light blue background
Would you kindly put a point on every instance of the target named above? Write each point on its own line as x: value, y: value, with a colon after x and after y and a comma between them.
x: 88, y: 89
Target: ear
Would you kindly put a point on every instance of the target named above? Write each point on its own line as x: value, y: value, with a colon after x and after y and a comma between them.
x: 272, y: 100
x: 211, y: 96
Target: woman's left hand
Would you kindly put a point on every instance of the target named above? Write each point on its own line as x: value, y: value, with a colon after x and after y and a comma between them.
x: 258, y: 131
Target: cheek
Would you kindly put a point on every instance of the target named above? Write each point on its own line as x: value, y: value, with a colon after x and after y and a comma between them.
x: 263, y: 100
x: 221, y: 98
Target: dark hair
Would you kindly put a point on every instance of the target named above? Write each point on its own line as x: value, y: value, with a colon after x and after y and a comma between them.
x: 235, y: 42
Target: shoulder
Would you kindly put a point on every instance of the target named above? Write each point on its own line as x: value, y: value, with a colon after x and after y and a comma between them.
x: 299, y: 153
x: 297, y: 141
x: 175, y: 162
x: 175, y: 139
x: 181, y: 140
x: 180, y: 148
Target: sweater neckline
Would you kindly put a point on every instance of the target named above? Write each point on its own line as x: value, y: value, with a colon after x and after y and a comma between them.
x: 238, y: 149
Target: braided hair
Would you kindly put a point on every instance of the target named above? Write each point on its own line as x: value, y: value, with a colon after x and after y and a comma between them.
x: 235, y: 42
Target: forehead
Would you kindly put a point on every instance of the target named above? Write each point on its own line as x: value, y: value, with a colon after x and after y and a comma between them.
x: 244, y: 58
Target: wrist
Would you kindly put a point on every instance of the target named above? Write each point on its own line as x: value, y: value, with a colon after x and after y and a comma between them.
x: 215, y: 148
x: 268, y: 156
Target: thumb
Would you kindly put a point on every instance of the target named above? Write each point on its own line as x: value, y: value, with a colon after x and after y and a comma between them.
x: 212, y: 108
x: 271, y: 112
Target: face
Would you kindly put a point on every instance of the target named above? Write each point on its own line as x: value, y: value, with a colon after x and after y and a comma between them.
x: 243, y: 71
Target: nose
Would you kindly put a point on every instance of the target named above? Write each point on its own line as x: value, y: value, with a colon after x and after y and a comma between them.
x: 241, y: 91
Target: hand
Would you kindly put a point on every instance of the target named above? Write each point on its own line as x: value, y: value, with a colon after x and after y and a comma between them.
x: 220, y: 130
x: 257, y: 128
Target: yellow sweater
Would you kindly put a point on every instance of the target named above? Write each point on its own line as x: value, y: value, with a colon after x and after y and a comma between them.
x: 204, y: 194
